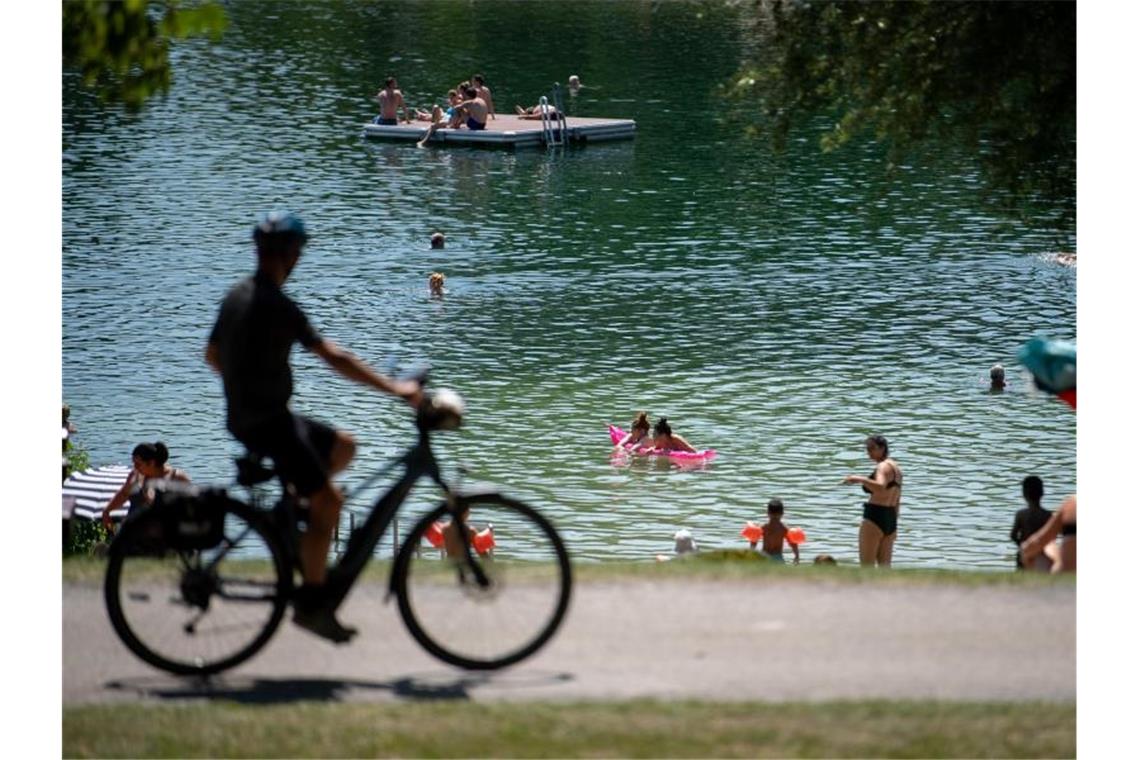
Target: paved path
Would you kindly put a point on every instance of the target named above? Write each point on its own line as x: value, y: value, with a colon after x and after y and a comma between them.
x: 670, y: 639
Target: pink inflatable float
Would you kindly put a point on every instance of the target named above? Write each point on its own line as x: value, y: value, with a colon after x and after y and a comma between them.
x: 616, y: 434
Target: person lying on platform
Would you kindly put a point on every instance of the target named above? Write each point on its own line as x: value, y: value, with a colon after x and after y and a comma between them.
x: 535, y: 112
x: 391, y: 100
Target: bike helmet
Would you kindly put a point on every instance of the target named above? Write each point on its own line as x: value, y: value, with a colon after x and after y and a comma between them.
x: 279, y: 225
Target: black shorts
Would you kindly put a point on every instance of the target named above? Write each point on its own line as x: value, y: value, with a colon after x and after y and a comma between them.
x: 299, y: 447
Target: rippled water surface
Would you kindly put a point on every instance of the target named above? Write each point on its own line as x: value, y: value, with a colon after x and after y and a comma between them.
x: 778, y: 308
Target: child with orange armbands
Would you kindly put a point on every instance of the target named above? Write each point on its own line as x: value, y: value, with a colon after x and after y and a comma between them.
x: 774, y: 533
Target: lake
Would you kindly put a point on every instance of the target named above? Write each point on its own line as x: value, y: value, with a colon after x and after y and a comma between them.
x: 775, y: 307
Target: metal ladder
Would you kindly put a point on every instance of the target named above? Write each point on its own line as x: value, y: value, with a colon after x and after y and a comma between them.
x: 553, y: 129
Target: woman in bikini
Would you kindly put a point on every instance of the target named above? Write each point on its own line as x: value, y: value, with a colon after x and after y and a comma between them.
x: 149, y: 460
x: 664, y: 440
x: 638, y: 433
x: 878, y: 530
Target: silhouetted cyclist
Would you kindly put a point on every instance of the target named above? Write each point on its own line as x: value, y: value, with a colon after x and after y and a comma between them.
x: 249, y: 346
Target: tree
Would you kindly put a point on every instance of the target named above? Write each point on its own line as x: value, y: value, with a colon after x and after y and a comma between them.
x: 998, y: 78
x: 121, y: 49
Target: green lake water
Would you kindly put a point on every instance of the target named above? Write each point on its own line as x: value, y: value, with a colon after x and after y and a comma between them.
x: 776, y: 307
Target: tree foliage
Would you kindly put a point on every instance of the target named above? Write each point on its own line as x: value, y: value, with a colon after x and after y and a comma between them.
x: 121, y: 49
x: 997, y: 77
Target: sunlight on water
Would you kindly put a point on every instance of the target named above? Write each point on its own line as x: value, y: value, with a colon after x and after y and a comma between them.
x: 777, y: 309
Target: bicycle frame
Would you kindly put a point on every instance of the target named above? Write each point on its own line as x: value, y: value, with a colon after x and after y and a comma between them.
x: 419, y: 462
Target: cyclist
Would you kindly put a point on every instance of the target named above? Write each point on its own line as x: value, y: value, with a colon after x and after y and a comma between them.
x: 249, y: 347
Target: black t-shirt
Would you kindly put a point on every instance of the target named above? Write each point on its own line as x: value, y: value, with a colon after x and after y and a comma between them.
x: 256, y: 328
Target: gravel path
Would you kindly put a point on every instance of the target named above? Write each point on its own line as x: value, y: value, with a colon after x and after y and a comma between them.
x: 673, y: 639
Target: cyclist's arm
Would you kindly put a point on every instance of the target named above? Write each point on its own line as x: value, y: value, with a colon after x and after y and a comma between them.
x: 347, y: 365
x: 212, y: 357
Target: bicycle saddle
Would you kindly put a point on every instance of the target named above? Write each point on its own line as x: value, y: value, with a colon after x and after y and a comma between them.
x: 251, y: 471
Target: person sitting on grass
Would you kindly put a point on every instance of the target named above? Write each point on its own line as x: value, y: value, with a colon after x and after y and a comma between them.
x: 149, y: 465
x: 776, y: 533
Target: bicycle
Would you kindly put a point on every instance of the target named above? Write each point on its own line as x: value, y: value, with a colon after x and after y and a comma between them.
x: 199, y: 582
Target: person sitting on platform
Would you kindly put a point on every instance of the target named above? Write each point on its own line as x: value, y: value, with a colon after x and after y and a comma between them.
x: 451, y: 118
x: 484, y: 92
x: 391, y: 100
x: 473, y: 108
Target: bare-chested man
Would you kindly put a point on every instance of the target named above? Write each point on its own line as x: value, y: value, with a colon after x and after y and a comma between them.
x: 390, y: 100
x: 474, y: 108
x: 484, y: 92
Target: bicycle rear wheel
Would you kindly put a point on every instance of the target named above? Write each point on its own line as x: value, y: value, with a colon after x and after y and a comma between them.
x: 482, y: 626
x: 196, y: 611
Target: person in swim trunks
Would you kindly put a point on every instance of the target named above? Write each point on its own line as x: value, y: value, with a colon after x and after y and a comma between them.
x: 1029, y: 520
x: 249, y: 347
x: 776, y: 533
x: 878, y: 530
x: 474, y: 108
x: 391, y: 100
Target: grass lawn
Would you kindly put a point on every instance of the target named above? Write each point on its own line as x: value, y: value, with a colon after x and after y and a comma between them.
x: 550, y: 729
x: 727, y: 564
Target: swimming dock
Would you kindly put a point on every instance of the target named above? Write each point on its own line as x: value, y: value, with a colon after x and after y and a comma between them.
x: 511, y: 131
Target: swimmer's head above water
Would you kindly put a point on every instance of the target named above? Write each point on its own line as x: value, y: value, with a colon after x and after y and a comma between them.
x: 997, y: 377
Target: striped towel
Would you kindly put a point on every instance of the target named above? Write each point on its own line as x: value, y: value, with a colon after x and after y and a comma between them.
x: 92, y: 489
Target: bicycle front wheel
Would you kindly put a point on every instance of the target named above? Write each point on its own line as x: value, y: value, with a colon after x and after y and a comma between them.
x: 500, y: 606
x: 202, y: 609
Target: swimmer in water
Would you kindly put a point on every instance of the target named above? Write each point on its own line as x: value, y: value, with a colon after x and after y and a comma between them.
x: 638, y: 433
x: 997, y: 378
x: 664, y: 440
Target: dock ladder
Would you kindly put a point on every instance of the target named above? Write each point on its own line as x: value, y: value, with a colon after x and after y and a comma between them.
x: 553, y: 128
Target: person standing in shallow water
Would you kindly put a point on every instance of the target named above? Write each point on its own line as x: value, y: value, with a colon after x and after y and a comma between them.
x: 878, y: 530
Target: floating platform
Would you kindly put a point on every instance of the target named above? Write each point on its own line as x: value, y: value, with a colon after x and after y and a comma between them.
x: 510, y: 130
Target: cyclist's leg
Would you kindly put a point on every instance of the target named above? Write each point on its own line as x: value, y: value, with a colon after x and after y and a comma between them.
x: 318, y: 452
x: 307, y: 463
x: 343, y: 450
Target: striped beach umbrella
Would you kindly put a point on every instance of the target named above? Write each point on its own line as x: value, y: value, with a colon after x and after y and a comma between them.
x: 92, y: 489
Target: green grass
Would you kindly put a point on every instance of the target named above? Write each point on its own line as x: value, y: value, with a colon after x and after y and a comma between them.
x: 625, y: 729
x: 736, y: 565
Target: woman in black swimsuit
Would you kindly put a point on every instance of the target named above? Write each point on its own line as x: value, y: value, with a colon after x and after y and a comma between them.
x: 878, y: 530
